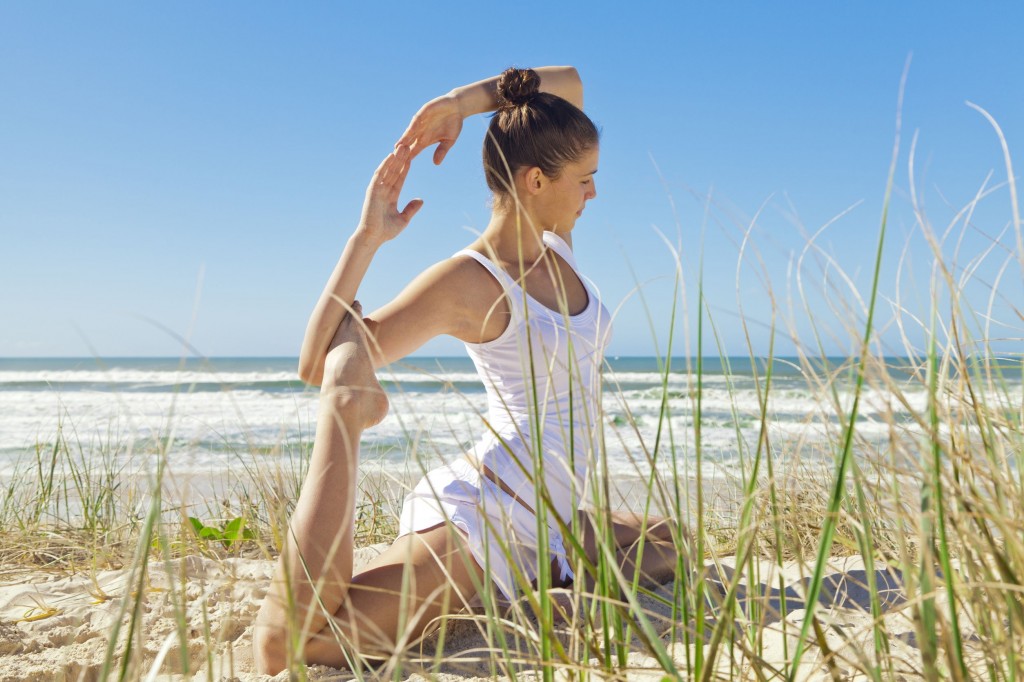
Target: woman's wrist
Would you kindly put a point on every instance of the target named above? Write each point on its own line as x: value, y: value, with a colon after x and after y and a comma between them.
x: 476, y: 98
x: 457, y: 97
x: 482, y: 97
x: 364, y: 238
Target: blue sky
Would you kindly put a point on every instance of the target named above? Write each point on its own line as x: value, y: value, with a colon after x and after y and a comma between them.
x: 194, y: 169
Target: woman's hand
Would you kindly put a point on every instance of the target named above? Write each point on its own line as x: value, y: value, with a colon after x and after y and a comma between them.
x: 381, y: 220
x: 438, y: 122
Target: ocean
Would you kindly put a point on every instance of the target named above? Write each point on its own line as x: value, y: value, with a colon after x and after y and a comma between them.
x: 220, y: 414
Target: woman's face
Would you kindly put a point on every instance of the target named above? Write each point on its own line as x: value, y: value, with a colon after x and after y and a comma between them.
x: 565, y: 198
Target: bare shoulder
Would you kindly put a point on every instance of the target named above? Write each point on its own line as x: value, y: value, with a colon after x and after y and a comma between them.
x: 438, y: 290
x: 461, y: 278
x: 456, y: 296
x: 468, y: 272
x: 480, y: 298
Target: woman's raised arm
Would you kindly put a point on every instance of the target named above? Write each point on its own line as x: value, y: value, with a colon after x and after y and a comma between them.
x: 380, y: 221
x: 439, y: 121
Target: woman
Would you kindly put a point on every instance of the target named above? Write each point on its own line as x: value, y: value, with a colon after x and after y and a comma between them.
x: 536, y: 332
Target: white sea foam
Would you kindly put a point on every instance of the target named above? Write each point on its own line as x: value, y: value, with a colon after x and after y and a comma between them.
x: 185, y: 378
x: 136, y: 376
x: 265, y: 413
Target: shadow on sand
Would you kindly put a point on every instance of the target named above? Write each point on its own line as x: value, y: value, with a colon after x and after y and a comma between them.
x: 841, y: 590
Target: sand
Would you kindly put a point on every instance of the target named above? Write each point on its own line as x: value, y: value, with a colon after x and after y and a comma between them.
x: 55, y: 627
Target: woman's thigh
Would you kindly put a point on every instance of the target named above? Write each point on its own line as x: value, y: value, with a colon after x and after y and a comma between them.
x: 396, y: 597
x: 627, y: 528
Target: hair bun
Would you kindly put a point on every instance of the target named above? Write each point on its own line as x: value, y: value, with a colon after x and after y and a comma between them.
x: 517, y: 87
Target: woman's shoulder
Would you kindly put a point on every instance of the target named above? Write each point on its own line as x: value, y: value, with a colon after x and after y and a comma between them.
x: 474, y: 264
x: 461, y: 279
x: 474, y: 288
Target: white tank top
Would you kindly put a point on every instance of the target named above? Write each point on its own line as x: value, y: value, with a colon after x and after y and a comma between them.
x: 542, y: 377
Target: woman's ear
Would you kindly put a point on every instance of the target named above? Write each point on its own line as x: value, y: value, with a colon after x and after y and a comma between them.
x: 534, y: 180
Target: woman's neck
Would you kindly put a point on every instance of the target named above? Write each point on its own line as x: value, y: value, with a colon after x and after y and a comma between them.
x: 513, y: 234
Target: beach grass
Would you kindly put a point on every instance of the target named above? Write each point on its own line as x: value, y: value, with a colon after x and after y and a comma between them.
x: 892, y: 555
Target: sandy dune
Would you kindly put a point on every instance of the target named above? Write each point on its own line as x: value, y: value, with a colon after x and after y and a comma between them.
x: 54, y: 628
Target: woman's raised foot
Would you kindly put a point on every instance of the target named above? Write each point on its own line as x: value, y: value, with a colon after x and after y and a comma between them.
x: 349, y: 379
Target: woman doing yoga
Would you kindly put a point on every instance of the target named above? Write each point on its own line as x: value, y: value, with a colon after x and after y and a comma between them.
x: 535, y: 330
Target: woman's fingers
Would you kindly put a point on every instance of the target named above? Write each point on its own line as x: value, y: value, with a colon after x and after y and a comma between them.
x: 408, y: 137
x: 393, y: 169
x: 411, y: 209
x: 417, y: 136
x: 380, y: 207
x: 395, y: 179
x: 382, y: 176
x: 414, y: 131
x: 387, y: 185
x: 411, y: 141
x: 378, y: 174
x: 442, y: 150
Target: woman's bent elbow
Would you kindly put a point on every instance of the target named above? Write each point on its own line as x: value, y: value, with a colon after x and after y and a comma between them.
x: 310, y: 372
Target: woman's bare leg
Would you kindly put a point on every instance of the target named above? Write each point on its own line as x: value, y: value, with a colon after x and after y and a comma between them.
x: 314, y: 570
x: 390, y: 604
x: 660, y: 556
x: 315, y: 609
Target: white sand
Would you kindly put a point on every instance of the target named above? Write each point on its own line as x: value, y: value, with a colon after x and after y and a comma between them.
x: 57, y: 628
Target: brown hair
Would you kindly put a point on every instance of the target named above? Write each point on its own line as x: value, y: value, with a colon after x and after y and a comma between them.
x: 532, y: 128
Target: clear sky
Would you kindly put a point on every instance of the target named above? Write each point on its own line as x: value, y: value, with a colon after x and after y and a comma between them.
x: 194, y: 169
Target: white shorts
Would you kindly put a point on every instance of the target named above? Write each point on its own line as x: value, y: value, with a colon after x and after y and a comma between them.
x: 495, y: 524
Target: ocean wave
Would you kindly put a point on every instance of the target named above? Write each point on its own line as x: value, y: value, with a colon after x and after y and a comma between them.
x: 119, y: 379
x: 116, y: 376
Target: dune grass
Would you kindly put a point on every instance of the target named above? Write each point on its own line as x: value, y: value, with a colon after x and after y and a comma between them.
x: 930, y: 505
